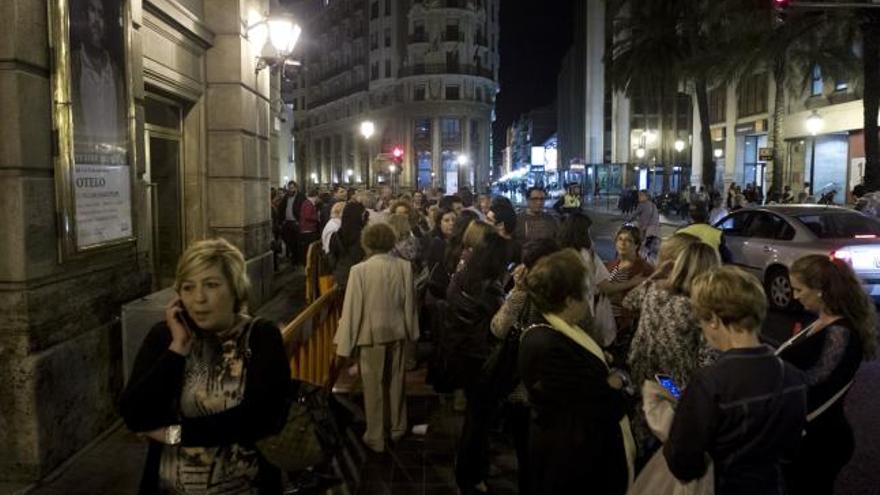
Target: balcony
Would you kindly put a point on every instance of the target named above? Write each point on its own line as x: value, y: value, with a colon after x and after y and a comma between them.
x: 454, y: 35
x: 422, y: 69
x: 339, y: 94
x: 419, y: 37
x: 342, y: 68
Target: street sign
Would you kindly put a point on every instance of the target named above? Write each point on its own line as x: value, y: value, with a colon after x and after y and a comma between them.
x: 765, y: 154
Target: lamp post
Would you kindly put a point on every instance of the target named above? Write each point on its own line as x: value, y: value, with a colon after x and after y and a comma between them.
x: 274, y: 37
x: 814, y: 125
x: 393, y: 168
x: 679, y: 147
x: 367, y: 131
x: 348, y: 174
x: 462, y: 161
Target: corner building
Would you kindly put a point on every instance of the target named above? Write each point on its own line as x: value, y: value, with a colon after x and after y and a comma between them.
x: 424, y: 72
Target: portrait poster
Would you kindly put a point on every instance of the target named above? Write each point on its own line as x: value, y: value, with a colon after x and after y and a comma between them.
x: 99, y: 102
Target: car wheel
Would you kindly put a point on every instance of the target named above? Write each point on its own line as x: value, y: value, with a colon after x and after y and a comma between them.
x: 779, y: 291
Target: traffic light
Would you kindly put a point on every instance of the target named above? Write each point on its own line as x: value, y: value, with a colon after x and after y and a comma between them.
x: 397, y: 154
x: 780, y: 7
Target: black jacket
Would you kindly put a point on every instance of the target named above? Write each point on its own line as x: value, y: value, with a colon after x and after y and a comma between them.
x: 151, y: 396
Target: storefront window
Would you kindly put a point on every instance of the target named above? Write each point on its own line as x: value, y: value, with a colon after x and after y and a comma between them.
x: 825, y: 165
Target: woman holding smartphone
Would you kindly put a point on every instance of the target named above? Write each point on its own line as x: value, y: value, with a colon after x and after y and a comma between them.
x: 208, y: 382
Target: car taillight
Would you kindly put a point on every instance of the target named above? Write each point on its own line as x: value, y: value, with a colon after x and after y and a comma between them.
x: 865, y: 236
x: 842, y: 254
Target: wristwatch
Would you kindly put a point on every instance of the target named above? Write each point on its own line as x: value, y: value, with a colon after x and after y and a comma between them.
x: 172, y: 435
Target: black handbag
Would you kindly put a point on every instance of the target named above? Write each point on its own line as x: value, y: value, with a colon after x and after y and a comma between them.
x: 500, y: 373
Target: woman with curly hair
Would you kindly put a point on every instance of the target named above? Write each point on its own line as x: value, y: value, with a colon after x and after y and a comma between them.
x: 829, y: 351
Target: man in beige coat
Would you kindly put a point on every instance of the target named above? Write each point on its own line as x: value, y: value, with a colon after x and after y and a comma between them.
x: 378, y: 317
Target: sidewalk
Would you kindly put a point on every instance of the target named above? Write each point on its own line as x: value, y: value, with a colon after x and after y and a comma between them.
x: 112, y: 463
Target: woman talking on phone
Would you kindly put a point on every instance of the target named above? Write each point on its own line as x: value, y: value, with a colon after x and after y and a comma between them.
x: 208, y: 382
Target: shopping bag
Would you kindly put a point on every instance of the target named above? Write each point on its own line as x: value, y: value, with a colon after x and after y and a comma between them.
x: 606, y: 328
x: 656, y: 479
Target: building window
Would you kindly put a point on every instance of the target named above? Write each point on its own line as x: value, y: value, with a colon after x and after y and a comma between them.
x: 816, y: 86
x: 717, y: 105
x: 294, y: 105
x: 387, y: 68
x: 374, y: 71
x: 450, y: 130
x: 374, y: 41
x: 419, y: 93
x: 452, y: 32
x: 452, y: 92
x: 841, y: 86
x: 751, y: 95
x: 387, y: 7
x: 419, y: 31
x: 374, y: 10
x: 387, y: 38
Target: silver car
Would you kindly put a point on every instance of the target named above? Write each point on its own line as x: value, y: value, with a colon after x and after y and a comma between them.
x: 767, y: 240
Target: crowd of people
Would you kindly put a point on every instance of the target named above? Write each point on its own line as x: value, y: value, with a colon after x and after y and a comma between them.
x: 529, y: 326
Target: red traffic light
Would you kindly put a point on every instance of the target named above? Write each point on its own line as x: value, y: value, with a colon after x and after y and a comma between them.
x: 397, y: 152
x: 781, y: 4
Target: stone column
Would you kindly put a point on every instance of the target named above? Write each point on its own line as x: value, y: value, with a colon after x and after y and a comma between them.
x: 436, y: 148
x: 238, y: 123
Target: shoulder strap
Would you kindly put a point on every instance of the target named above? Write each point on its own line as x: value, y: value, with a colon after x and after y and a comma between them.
x: 245, y: 339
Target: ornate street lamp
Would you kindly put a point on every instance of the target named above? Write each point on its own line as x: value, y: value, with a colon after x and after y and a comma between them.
x: 275, y: 37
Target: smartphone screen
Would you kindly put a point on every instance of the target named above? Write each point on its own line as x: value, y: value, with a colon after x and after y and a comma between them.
x: 668, y: 383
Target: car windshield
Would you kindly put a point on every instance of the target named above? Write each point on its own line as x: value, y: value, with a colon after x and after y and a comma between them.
x: 841, y: 225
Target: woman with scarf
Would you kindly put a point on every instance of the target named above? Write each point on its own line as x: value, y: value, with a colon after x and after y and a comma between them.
x: 208, y: 382
x: 580, y: 436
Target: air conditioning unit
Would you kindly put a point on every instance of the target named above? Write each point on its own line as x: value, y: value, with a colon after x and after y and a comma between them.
x: 138, y: 317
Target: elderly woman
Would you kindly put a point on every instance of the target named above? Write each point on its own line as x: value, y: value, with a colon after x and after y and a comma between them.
x: 378, y: 318
x: 208, y: 382
x: 746, y: 411
x: 579, y: 433
x: 829, y: 352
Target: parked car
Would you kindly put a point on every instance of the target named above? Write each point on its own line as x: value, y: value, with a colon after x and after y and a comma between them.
x: 767, y: 240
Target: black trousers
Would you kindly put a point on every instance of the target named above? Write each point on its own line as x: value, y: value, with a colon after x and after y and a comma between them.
x: 825, y: 450
x: 518, y: 419
x: 472, y: 457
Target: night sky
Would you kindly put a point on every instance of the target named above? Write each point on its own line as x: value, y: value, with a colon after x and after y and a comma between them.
x: 534, y: 38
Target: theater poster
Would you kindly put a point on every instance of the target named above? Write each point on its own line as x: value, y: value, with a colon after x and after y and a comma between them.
x: 92, y: 123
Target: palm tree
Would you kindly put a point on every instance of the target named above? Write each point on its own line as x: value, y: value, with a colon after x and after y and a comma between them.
x: 661, y: 45
x: 789, y: 51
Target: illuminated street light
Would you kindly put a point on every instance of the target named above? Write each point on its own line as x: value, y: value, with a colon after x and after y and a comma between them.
x: 718, y: 152
x: 640, y: 152
x: 314, y: 177
x: 367, y: 129
x: 392, y: 168
x: 463, y: 160
x: 814, y: 123
x: 679, y: 145
x: 282, y: 33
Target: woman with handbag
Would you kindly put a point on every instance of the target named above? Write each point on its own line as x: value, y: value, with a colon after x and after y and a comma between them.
x: 745, y: 412
x: 829, y: 351
x: 208, y: 382
x: 514, y: 316
x: 378, y: 318
x: 579, y: 435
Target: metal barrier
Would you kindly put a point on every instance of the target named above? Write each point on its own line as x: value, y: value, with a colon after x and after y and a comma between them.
x: 308, y: 339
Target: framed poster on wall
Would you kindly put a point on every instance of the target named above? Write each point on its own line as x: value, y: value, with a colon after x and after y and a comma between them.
x: 93, y: 124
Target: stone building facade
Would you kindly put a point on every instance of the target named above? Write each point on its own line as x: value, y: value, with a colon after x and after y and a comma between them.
x: 201, y: 169
x: 424, y: 72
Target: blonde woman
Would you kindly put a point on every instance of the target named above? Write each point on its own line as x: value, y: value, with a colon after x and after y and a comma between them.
x: 378, y: 318
x: 208, y: 382
x: 668, y: 339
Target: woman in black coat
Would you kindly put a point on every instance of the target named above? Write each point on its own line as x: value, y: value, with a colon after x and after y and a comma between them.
x: 473, y: 297
x: 829, y: 352
x: 580, y: 440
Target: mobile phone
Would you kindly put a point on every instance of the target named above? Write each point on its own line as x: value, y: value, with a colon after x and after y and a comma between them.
x: 511, y: 266
x: 669, y: 384
x: 184, y: 317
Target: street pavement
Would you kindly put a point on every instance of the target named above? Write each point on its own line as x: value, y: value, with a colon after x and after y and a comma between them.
x: 861, y: 476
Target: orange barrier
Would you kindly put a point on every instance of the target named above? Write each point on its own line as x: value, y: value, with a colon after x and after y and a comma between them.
x: 308, y: 339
